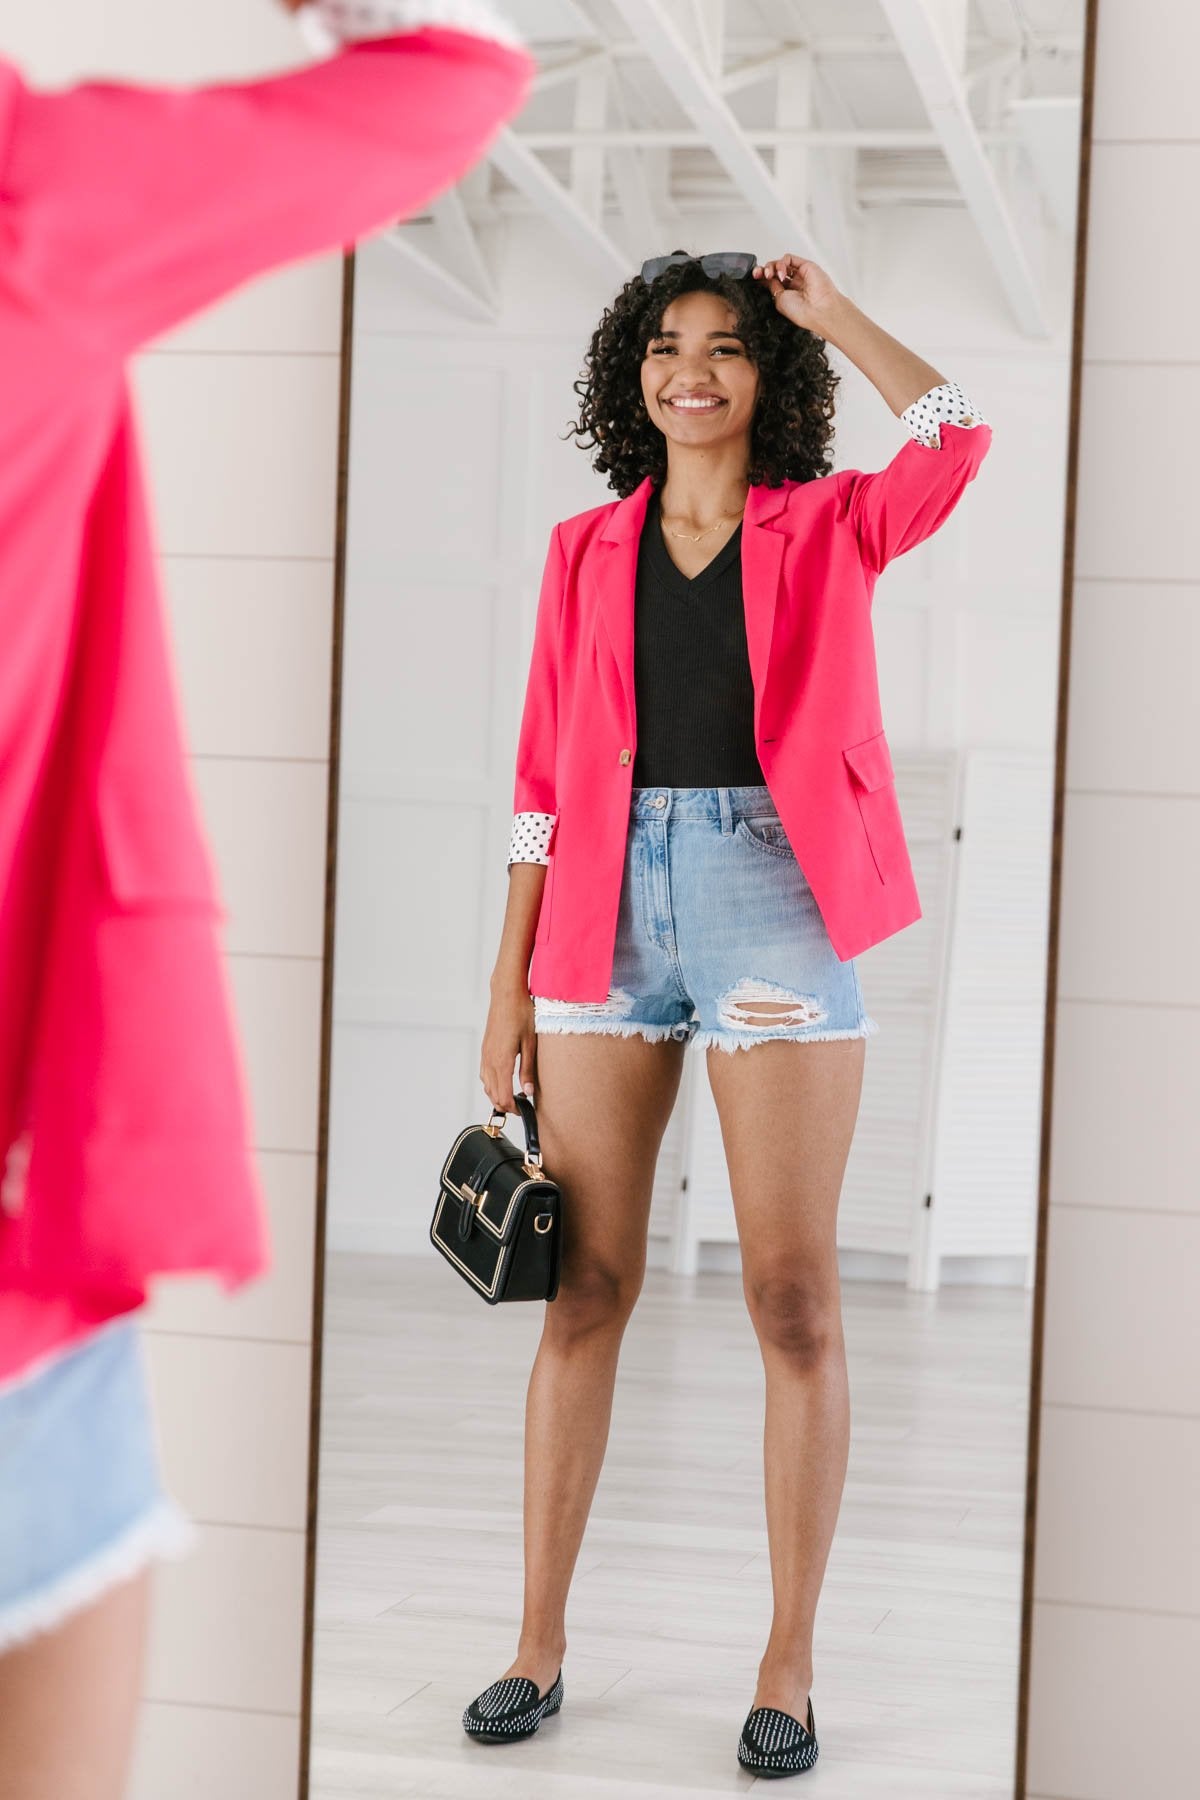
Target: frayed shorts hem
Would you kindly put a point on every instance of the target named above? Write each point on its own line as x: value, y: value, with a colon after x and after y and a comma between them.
x: 161, y: 1531
x: 746, y: 1040
x: 584, y: 1027
x: 686, y: 1034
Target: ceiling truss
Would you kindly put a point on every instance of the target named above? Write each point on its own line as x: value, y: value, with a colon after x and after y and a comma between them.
x: 609, y: 184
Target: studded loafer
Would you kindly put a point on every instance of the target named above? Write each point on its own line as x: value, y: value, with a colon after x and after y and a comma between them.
x: 510, y: 1709
x: 775, y: 1743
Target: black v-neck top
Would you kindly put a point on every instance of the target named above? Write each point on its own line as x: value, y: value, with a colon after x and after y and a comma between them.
x: 694, y: 693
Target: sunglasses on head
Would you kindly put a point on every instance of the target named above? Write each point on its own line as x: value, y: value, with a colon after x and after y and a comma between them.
x: 719, y: 262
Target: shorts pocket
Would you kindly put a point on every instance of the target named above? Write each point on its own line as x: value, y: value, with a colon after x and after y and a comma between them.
x: 870, y: 767
x: 765, y: 834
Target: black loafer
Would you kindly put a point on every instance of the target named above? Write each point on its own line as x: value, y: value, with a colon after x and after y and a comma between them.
x: 774, y: 1743
x: 511, y: 1709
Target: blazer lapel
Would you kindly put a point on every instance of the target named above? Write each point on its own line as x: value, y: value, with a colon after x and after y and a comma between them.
x: 617, y: 576
x: 762, y: 560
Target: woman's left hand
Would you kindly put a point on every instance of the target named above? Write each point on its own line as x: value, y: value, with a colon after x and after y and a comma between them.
x: 801, y: 290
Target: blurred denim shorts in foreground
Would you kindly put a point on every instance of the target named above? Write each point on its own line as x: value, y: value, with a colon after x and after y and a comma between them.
x: 82, y: 1505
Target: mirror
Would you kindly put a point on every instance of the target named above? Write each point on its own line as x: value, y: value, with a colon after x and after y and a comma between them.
x: 876, y: 1188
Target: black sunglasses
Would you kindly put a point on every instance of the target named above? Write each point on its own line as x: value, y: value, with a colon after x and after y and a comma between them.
x: 720, y: 262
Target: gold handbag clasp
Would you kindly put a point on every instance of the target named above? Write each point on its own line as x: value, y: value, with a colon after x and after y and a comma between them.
x: 492, y: 1129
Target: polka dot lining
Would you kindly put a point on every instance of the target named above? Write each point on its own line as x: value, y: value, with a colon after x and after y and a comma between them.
x: 530, y: 837
x: 945, y: 404
x: 352, y: 19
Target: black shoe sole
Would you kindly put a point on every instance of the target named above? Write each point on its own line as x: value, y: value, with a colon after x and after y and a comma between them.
x: 514, y: 1737
x: 774, y: 1774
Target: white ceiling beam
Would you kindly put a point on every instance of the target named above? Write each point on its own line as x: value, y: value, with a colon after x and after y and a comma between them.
x: 693, y: 195
x: 1058, y: 43
x: 813, y: 178
x: 841, y: 160
x: 518, y: 164
x: 439, y: 280
x: 835, y: 206
x: 891, y: 193
x: 571, y: 68
x: 656, y: 166
x: 945, y: 100
x: 793, y: 117
x: 710, y: 34
x: 988, y: 67
x: 590, y: 116
x: 700, y: 99
x: 759, y: 68
x: 850, y: 137
x: 631, y: 177
x: 461, y: 253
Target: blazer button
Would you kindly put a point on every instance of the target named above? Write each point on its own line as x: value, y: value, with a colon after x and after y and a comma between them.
x: 626, y: 756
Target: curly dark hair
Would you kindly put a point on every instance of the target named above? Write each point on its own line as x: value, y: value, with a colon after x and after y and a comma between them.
x: 793, y: 419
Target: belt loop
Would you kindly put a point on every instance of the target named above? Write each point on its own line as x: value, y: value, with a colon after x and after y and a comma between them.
x: 726, y: 811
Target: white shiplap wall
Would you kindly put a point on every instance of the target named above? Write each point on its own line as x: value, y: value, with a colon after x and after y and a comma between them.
x: 1116, y: 1624
x: 240, y: 418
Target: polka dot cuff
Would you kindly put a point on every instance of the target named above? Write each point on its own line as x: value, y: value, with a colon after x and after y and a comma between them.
x: 331, y: 22
x: 530, y: 837
x: 947, y: 405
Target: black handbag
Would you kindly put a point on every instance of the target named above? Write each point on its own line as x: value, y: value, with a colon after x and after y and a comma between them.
x: 498, y: 1217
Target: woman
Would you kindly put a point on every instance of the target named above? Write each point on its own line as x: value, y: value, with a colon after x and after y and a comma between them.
x: 705, y: 867
x: 124, y: 1141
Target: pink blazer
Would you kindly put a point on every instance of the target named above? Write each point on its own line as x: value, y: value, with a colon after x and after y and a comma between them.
x: 124, y: 1135
x: 811, y: 553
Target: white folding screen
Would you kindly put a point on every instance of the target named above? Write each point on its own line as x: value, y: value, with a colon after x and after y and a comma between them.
x: 987, y: 1137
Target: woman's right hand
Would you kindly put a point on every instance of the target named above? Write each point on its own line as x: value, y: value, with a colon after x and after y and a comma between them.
x: 508, y: 1034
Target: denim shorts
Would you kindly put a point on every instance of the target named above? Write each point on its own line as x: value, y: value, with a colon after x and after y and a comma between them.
x: 715, y: 919
x: 82, y: 1505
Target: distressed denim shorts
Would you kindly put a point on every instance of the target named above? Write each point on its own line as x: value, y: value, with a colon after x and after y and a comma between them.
x: 82, y: 1505
x: 715, y: 919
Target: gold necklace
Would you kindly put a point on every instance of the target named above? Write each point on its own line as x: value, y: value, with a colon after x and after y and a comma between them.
x: 702, y: 534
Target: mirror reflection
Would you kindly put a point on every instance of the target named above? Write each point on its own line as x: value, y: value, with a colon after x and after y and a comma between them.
x: 703, y: 566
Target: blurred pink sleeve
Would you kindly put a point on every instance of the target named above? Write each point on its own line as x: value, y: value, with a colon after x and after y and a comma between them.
x: 129, y: 208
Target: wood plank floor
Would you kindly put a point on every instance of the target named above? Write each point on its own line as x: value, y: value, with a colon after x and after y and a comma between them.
x: 419, y: 1548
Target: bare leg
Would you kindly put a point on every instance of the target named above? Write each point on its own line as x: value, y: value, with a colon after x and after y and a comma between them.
x: 603, y: 1105
x: 69, y: 1700
x: 787, y: 1114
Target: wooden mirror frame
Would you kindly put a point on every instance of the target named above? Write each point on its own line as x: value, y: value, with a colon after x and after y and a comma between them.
x: 1052, y: 958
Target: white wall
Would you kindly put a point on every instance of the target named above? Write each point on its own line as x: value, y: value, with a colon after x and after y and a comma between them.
x: 240, y: 413
x: 1116, y: 1627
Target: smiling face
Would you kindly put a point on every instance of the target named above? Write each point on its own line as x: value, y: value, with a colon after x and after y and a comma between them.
x: 698, y: 383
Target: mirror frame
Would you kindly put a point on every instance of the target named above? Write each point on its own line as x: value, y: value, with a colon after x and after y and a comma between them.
x: 1037, y: 1334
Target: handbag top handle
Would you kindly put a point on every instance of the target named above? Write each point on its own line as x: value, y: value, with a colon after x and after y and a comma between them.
x: 533, y: 1146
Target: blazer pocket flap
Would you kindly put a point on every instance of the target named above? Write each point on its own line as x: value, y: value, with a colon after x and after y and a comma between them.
x: 871, y: 762
x: 151, y: 843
